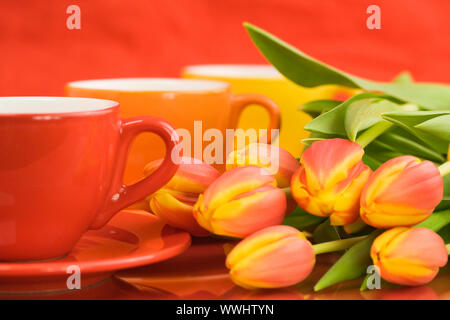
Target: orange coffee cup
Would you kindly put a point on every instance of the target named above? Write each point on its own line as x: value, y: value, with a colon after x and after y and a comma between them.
x: 202, y: 109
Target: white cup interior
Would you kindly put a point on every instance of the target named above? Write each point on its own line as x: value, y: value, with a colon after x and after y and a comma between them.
x: 150, y: 84
x: 234, y: 71
x: 46, y: 105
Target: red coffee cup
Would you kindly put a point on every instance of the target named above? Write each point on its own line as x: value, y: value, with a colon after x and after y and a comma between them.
x: 61, y: 167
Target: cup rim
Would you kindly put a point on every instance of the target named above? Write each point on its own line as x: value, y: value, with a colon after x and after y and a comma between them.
x: 234, y: 71
x: 77, y: 106
x: 150, y: 85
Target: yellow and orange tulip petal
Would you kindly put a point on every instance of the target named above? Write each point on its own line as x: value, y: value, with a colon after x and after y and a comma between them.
x: 275, y: 257
x: 275, y: 159
x: 193, y: 175
x: 174, y: 202
x: 240, y: 202
x: 409, y: 256
x: 402, y: 192
x: 176, y: 212
x: 330, y: 181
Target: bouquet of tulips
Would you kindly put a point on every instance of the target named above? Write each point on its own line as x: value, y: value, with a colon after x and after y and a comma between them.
x: 373, y: 184
x: 389, y: 209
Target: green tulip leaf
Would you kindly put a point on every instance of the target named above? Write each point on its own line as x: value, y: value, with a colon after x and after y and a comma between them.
x: 365, y: 113
x: 444, y: 233
x: 371, y: 162
x: 296, y: 65
x: 406, y: 143
x: 381, y: 152
x: 300, y: 219
x: 317, y: 107
x: 333, y: 121
x: 404, y: 77
x: 391, y: 144
x: 317, y: 136
x: 326, y: 232
x: 439, y: 127
x: 310, y: 141
x: 436, y: 221
x: 445, y: 203
x: 408, y: 120
x: 309, y: 72
x: 364, y: 283
x: 446, y: 187
x: 352, y: 265
x: 414, y: 118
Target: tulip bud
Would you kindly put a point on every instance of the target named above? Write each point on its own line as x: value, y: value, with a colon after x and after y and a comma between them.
x: 276, y: 160
x: 240, y: 202
x: 174, y: 202
x: 401, y: 192
x: 409, y: 256
x: 330, y: 181
x: 275, y: 257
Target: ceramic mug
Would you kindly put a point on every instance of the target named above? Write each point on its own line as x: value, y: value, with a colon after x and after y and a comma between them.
x: 61, y: 167
x: 193, y: 105
x: 266, y: 80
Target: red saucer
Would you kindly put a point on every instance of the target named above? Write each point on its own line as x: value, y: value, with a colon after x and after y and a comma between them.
x: 132, y: 238
x: 200, y: 269
x: 198, y: 273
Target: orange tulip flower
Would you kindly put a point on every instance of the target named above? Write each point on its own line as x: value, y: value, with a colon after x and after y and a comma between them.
x: 330, y: 180
x: 275, y: 159
x: 275, y: 257
x: 240, y: 202
x: 402, y: 192
x: 174, y: 202
x: 409, y: 256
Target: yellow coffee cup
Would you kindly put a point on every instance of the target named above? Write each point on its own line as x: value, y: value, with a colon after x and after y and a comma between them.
x: 266, y: 80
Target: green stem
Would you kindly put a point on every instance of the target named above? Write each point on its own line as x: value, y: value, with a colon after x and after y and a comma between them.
x: 355, y: 226
x: 436, y: 222
x: 336, y: 245
x: 448, y: 248
x: 373, y: 132
x: 287, y: 191
x: 444, y: 168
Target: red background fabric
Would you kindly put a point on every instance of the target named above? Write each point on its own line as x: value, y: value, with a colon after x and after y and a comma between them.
x: 131, y: 38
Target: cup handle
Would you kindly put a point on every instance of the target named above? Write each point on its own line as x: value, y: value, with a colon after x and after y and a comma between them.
x: 241, y: 101
x: 122, y: 196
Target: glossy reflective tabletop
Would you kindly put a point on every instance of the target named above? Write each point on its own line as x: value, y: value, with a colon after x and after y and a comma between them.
x: 199, y: 273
